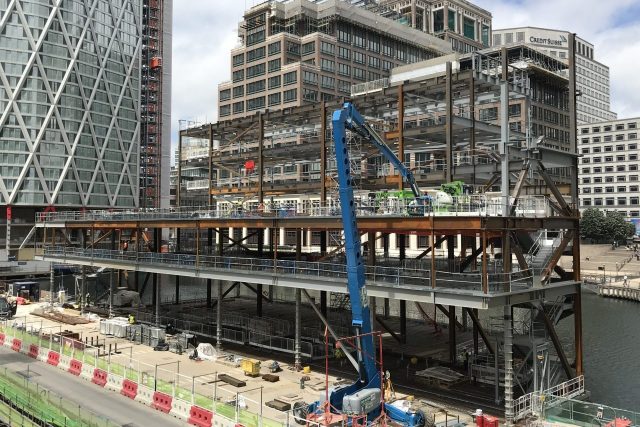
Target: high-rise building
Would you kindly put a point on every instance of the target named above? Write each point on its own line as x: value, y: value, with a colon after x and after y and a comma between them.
x: 69, y: 107
x: 466, y: 26
x: 155, y: 126
x: 303, y: 52
x: 609, y: 174
x: 592, y: 77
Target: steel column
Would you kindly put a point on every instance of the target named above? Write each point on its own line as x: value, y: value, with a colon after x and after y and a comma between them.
x: 297, y: 356
x: 179, y: 178
x: 508, y: 365
x: 504, y: 134
x: 210, y: 176
x: 452, y: 335
x: 260, y: 158
x: 577, y: 313
x: 403, y: 321
x: 449, y: 121
x: 400, y: 133
x: 219, y: 317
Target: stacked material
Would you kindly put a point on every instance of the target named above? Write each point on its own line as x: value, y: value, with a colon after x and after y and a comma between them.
x: 145, y: 334
x: 117, y: 327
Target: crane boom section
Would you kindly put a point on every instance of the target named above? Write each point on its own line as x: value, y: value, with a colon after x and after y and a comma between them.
x: 356, y: 123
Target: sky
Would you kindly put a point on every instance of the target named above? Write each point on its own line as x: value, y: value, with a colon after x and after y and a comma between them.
x: 204, y: 34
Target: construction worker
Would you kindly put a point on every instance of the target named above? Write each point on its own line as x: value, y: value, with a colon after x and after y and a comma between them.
x: 132, y: 320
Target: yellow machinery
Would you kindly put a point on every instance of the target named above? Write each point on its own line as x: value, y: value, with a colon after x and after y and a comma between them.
x: 251, y: 367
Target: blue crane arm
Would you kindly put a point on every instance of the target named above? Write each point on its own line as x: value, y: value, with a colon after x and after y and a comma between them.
x: 356, y: 123
x: 361, y: 318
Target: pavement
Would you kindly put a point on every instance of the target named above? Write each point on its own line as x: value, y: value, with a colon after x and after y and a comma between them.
x: 104, y: 403
x: 201, y: 375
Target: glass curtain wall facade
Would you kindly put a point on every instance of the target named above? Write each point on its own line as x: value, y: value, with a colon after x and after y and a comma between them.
x: 69, y: 103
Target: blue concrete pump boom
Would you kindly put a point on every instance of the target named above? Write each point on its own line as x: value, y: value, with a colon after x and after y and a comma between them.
x: 362, y: 391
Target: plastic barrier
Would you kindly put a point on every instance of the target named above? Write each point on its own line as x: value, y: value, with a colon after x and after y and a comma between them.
x: 162, y: 402
x: 129, y: 389
x: 53, y: 358
x: 99, y: 377
x: 75, y: 367
x: 33, y: 351
x: 200, y: 417
x: 16, y: 344
x: 2, y: 337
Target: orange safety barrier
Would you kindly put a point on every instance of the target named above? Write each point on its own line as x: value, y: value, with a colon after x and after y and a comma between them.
x: 162, y: 402
x: 99, y: 377
x: 75, y: 367
x: 2, y: 337
x: 16, y: 345
x: 53, y: 358
x: 200, y: 417
x: 33, y: 351
x: 129, y: 389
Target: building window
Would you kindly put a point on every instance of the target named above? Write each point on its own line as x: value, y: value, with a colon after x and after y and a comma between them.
x: 344, y: 53
x: 621, y: 189
x: 293, y: 48
x: 610, y: 201
x: 597, y: 170
x: 597, y: 179
x: 274, y: 82
x: 586, y: 190
x: 359, y: 74
x: 274, y: 99
x: 359, y: 38
x: 238, y: 91
x: 497, y: 39
x: 290, y: 78
x: 327, y: 48
x: 633, y: 178
x: 586, y: 180
x: 586, y: 202
x: 309, y: 77
x: 359, y: 57
x: 344, y: 86
x: 634, y: 200
x: 238, y: 59
x: 631, y: 126
x: 374, y: 62
x: 255, y: 38
x: 327, y: 82
x: 256, y: 70
x: 485, y: 35
x: 469, y: 28
x: 290, y: 95
x: 225, y: 110
x: 585, y: 150
x: 488, y: 114
x: 255, y: 87
x: 274, y: 65
x: 255, y: 103
x: 595, y: 129
x: 438, y: 21
x: 238, y: 76
x: 387, y: 65
x: 275, y: 48
x: 633, y: 157
x: 620, y: 147
x: 633, y: 188
x: 620, y: 137
x: 308, y: 48
x: 344, y: 69
x: 620, y: 126
x: 633, y: 136
x: 621, y: 178
x: 238, y: 107
x: 608, y: 148
x: 586, y: 170
x: 309, y: 95
x: 255, y: 54
x: 608, y: 189
x: 225, y: 94
x: 328, y: 65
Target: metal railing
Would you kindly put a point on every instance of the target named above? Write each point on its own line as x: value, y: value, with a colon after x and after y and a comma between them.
x: 471, y: 205
x: 381, y: 275
x: 533, y: 403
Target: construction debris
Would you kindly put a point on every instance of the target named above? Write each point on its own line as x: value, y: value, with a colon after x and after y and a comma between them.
x: 61, y: 317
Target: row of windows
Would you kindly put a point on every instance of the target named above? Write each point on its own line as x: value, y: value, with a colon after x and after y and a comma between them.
x: 611, y: 201
x: 609, y: 128
x: 611, y: 189
x: 609, y: 179
x: 598, y: 159
x: 287, y: 96
x: 609, y: 138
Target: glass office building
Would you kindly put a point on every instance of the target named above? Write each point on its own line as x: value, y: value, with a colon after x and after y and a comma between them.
x: 69, y: 103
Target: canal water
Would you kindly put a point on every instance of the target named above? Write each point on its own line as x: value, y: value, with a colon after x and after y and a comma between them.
x: 611, y: 329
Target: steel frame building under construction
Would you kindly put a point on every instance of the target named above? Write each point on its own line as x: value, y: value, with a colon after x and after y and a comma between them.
x: 278, y: 232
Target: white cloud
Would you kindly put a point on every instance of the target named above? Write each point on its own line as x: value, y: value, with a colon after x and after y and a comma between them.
x: 205, y: 31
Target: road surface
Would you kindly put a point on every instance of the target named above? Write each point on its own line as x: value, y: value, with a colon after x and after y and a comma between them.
x: 105, y: 403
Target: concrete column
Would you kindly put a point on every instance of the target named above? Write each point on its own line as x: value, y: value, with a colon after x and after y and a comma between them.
x: 219, y: 318
x: 297, y: 356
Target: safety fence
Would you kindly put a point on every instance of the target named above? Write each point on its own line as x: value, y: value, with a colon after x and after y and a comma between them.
x: 466, y: 205
x: 376, y: 275
x: 28, y: 403
x: 196, y: 399
x: 536, y: 403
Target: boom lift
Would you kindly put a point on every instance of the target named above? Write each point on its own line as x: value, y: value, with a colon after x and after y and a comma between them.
x: 363, y: 396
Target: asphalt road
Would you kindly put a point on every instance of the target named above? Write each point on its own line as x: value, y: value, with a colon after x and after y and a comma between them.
x: 105, y: 403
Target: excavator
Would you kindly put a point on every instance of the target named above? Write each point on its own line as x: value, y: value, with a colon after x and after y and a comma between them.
x: 363, y: 397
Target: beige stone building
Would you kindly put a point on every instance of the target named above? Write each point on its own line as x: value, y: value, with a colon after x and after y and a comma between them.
x: 303, y: 52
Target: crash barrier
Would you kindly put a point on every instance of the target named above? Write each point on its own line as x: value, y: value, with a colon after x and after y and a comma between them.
x: 129, y: 389
x: 200, y: 417
x: 164, y: 390
x: 33, y: 351
x: 99, y: 377
x: 162, y: 402
x: 53, y: 358
x: 75, y: 367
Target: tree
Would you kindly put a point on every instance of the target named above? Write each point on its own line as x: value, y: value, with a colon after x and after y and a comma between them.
x: 617, y: 227
x: 597, y: 226
x: 592, y: 224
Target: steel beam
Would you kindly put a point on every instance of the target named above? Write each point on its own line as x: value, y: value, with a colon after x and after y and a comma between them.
x: 566, y: 209
x: 452, y: 335
x: 449, y: 123
x: 386, y: 327
x: 426, y: 251
x: 557, y: 344
x: 555, y: 257
x: 518, y: 187
x: 478, y: 329
x: 426, y: 317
